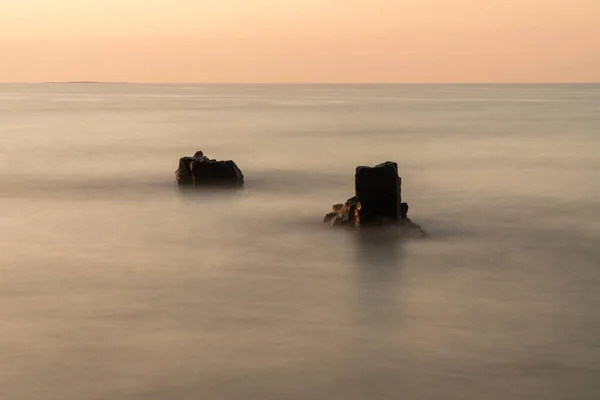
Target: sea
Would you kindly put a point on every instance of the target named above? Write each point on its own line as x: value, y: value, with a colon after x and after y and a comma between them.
x: 115, y: 285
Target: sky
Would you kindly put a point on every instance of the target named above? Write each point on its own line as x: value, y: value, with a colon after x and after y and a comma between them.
x: 300, y: 41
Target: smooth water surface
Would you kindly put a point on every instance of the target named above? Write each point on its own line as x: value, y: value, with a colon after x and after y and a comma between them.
x: 114, y: 285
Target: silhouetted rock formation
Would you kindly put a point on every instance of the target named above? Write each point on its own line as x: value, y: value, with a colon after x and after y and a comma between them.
x: 378, y: 201
x: 199, y: 170
x: 378, y: 189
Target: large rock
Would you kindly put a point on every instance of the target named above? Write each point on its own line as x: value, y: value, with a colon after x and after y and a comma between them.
x: 377, y: 203
x: 199, y: 171
x: 378, y: 190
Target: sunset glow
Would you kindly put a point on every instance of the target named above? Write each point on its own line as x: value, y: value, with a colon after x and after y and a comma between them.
x: 300, y: 41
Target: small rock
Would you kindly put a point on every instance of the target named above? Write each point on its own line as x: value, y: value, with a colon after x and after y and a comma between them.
x: 201, y: 171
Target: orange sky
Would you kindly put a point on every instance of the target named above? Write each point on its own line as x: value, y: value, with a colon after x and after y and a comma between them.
x: 300, y: 40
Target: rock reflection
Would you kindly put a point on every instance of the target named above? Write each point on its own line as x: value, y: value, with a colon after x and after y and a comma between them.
x: 378, y: 264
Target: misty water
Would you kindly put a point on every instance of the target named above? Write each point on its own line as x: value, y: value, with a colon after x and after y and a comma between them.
x: 114, y: 285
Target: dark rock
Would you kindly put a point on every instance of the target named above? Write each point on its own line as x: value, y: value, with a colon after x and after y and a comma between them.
x: 404, y: 210
x: 378, y: 190
x: 330, y: 217
x: 201, y: 171
x: 342, y: 214
x: 377, y: 203
x: 351, y: 214
x: 184, y: 172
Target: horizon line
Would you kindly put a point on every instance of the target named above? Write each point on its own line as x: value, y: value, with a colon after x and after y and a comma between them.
x: 88, y: 82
